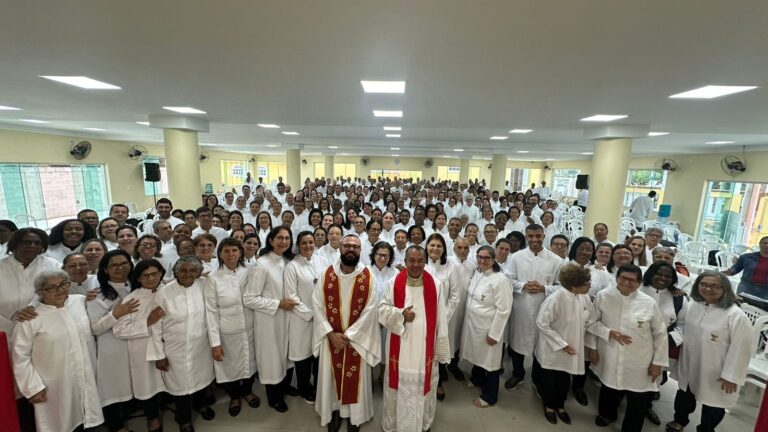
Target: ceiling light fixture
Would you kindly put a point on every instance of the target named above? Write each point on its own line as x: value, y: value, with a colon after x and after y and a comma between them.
x: 387, y: 113
x: 720, y: 142
x: 143, y: 123
x: 604, y: 117
x: 458, y: 150
x: 395, y: 155
x: 394, y: 148
x: 393, y: 135
x: 711, y: 92
x: 82, y: 82
x: 333, y: 147
x: 523, y: 151
x: 184, y: 110
x: 9, y: 108
x: 383, y: 86
x: 653, y: 134
x: 95, y: 129
x: 498, y: 138
x: 289, y: 133
x: 393, y: 128
x: 268, y: 125
x: 34, y: 121
x: 521, y: 131
x: 343, y: 154
x: 272, y: 145
x: 587, y: 153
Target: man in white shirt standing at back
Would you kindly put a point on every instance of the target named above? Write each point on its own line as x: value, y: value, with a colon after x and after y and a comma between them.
x: 641, y: 208
x: 205, y: 225
x: 164, y: 207
x: 544, y: 191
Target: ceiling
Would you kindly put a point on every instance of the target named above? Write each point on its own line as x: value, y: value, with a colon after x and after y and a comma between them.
x: 473, y: 70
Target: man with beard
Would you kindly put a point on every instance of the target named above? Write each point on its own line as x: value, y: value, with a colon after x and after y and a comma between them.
x: 347, y: 339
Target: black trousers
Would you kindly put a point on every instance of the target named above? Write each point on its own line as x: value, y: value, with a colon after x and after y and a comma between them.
x: 305, y: 370
x: 442, y: 374
x: 186, y: 403
x: 553, y: 387
x: 578, y: 381
x: 239, y: 388
x: 488, y: 381
x: 26, y: 412
x: 637, y: 405
x: 276, y: 392
x: 685, y: 404
x: 518, y: 369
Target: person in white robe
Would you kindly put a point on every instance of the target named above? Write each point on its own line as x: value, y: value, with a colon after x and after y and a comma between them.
x: 628, y: 349
x: 534, y: 276
x: 331, y: 252
x: 489, y: 303
x: 77, y: 267
x: 179, y: 345
x: 300, y: 279
x: 346, y: 332
x: 560, y: 351
x: 146, y: 380
x: 413, y: 311
x: 54, y: 357
x: 717, y: 347
x: 382, y: 257
x: 373, y: 229
x: 230, y: 326
x: 466, y: 267
x: 67, y: 237
x: 265, y: 295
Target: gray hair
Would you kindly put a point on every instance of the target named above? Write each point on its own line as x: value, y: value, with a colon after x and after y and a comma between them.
x: 654, y: 229
x: 191, y: 259
x: 728, y: 299
x: 41, y: 280
x: 156, y: 224
x: 663, y: 249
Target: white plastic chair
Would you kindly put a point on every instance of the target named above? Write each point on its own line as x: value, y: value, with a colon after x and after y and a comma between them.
x: 712, y: 242
x: 24, y: 220
x: 740, y: 249
x: 575, y: 211
x: 684, y: 238
x: 651, y: 224
x: 725, y: 259
x: 574, y: 229
x: 757, y: 373
x: 132, y: 207
x: 670, y: 233
x: 695, y: 253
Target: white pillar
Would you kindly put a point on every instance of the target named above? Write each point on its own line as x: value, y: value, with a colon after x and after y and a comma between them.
x: 293, y: 169
x: 463, y: 171
x: 328, y: 164
x: 498, y: 170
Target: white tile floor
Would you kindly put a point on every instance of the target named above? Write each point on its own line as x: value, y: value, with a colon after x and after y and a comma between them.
x: 518, y: 410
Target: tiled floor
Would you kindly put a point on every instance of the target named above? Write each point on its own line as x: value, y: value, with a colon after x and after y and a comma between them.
x: 519, y: 410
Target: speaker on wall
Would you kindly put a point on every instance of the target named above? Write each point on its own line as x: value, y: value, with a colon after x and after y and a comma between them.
x: 582, y: 181
x: 152, y: 171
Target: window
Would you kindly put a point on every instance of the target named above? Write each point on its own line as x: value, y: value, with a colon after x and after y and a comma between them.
x: 271, y: 171
x: 564, y: 182
x: 445, y: 172
x: 392, y: 173
x: 344, y: 170
x: 49, y: 194
x: 735, y: 212
x: 642, y: 181
x: 233, y: 173
x: 155, y: 188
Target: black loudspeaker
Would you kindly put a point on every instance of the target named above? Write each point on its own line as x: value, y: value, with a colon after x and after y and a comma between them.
x: 152, y: 171
x: 582, y: 181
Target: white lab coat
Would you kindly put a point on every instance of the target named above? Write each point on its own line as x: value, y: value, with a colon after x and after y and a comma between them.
x: 88, y: 284
x: 59, y: 251
x: 329, y: 254
x: 562, y: 321
x: 263, y: 293
x: 181, y: 336
x: 717, y: 343
x: 381, y: 278
x: 112, y: 356
x: 466, y: 270
x: 527, y: 266
x: 146, y: 379
x: 489, y: 303
x: 625, y: 367
x: 640, y: 209
x: 448, y: 281
x: 56, y: 351
x: 300, y: 279
x: 665, y: 301
x: 230, y: 324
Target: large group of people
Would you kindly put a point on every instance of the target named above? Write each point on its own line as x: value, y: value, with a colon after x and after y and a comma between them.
x: 122, y: 314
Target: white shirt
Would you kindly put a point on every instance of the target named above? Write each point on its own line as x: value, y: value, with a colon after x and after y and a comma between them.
x: 561, y: 322
x: 640, y: 209
x: 489, y: 303
x: 149, y: 225
x: 300, y: 279
x: 219, y: 233
x: 60, y: 251
x: 18, y: 286
x: 582, y: 197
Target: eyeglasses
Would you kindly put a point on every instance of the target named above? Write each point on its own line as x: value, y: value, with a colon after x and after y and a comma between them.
x: 117, y: 265
x: 351, y: 246
x: 381, y: 255
x: 484, y: 258
x: 53, y: 288
x: 713, y: 287
x: 147, y: 245
x: 149, y: 275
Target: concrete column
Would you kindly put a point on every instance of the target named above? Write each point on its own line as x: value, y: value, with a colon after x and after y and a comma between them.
x: 328, y: 164
x: 463, y: 171
x: 498, y: 171
x: 293, y: 169
x: 182, y: 161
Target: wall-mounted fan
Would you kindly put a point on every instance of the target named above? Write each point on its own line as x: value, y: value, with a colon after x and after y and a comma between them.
x: 732, y: 165
x: 137, y: 152
x: 490, y: 165
x: 428, y: 163
x: 304, y: 162
x: 364, y: 161
x: 80, y: 150
x: 667, y: 164
x: 252, y: 159
x: 205, y: 157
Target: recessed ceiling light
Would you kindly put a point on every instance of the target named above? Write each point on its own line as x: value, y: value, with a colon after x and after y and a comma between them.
x: 720, y: 142
x: 143, y: 123
x: 94, y: 129
x: 395, y: 155
x: 343, y: 154
x: 34, y: 121
x: 604, y: 117
x: 9, y: 108
x: 383, y: 86
x: 184, y: 110
x: 652, y: 134
x: 268, y: 125
x: 394, y: 148
x: 387, y: 113
x: 711, y: 92
x: 498, y: 137
x: 523, y: 151
x: 272, y: 145
x: 393, y: 135
x: 587, y: 153
x: 82, y: 82
x: 458, y: 150
x: 333, y: 147
x: 521, y: 131
x: 548, y: 159
x: 392, y: 128
x: 289, y: 133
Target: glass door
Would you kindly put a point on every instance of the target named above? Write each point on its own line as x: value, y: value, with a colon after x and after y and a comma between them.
x: 735, y: 212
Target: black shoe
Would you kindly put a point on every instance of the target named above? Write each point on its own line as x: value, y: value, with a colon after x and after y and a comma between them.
x: 456, y: 372
x: 186, y: 428
x: 513, y: 383
x: 309, y: 398
x: 255, y: 402
x: 440, y: 393
x: 563, y: 414
x: 292, y: 391
x: 234, y: 408
x: 602, y: 422
x: 551, y: 416
x: 335, y: 423
x: 207, y: 413
x: 652, y: 416
x: 581, y: 397
x: 510, y: 351
x: 280, y: 407
x: 351, y: 427
x: 160, y: 429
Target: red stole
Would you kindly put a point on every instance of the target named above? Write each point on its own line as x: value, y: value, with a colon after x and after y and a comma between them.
x: 430, y: 306
x: 346, y: 362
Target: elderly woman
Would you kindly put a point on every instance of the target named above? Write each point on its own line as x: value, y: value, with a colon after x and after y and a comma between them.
x: 560, y: 352
x: 179, y: 345
x: 330, y: 252
x: 717, y: 346
x: 54, y: 357
x: 94, y: 250
x: 300, y: 279
x: 321, y: 237
x: 230, y: 326
x: 373, y: 230
x: 603, y: 252
x: 67, y: 237
x: 628, y: 349
x: 489, y: 303
x: 149, y: 246
x: 108, y: 232
x: 265, y: 294
x: 134, y: 328
x: 126, y: 238
x: 264, y: 224
x: 205, y: 245
x: 112, y: 358
x: 753, y: 267
x: 76, y: 266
